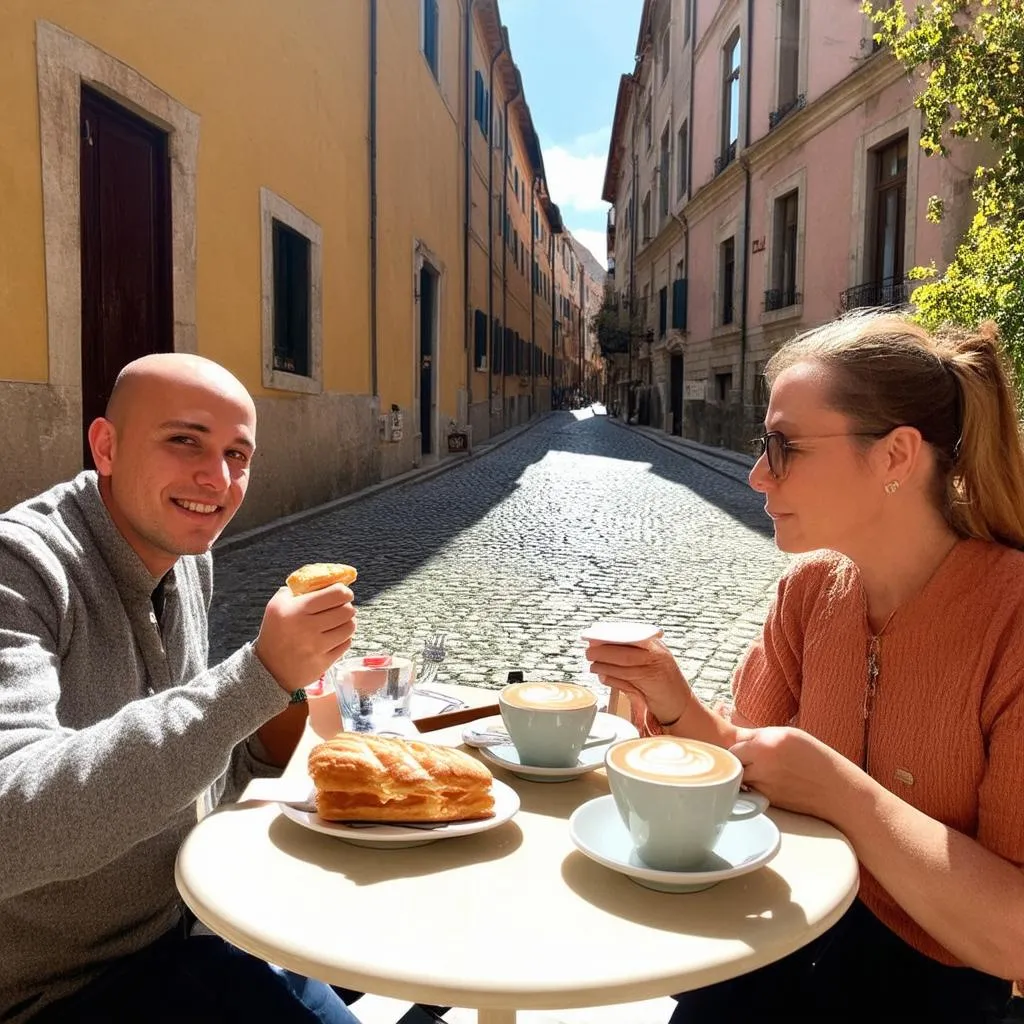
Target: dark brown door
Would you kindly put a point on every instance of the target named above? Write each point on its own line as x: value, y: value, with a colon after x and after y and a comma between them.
x: 126, y: 236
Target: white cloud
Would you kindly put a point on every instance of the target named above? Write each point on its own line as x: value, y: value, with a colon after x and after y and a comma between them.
x: 595, y: 241
x: 575, y: 171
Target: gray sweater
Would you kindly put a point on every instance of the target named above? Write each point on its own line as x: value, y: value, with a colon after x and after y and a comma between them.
x: 111, y: 727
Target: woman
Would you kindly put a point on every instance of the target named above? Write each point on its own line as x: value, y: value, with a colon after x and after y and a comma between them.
x: 886, y: 694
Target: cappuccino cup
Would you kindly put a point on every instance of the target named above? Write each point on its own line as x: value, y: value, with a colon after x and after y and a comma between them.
x: 548, y: 723
x: 675, y: 796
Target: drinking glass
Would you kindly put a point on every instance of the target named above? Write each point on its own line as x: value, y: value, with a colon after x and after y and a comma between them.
x: 374, y: 692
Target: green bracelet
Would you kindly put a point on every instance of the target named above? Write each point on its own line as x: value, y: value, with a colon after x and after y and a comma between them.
x: 298, y: 697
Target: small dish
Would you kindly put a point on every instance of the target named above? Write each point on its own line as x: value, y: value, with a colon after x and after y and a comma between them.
x: 610, y: 727
x: 397, y: 837
x: 744, y: 846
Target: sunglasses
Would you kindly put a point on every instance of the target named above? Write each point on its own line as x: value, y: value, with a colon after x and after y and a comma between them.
x: 778, y: 448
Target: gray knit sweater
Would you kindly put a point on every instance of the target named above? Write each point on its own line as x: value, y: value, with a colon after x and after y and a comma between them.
x: 111, y: 727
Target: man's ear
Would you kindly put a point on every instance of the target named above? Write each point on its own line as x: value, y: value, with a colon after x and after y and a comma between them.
x: 103, y: 443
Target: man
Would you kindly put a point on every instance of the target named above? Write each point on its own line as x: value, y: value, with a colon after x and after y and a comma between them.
x: 111, y: 724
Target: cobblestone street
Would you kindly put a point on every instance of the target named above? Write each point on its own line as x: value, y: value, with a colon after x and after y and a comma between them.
x: 513, y: 553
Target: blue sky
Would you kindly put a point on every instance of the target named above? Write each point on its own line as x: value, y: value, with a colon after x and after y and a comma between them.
x: 571, y: 54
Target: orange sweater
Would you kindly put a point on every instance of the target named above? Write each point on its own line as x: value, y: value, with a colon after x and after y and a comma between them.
x: 946, y: 727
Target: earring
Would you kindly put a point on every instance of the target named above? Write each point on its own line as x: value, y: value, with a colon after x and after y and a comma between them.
x: 892, y: 487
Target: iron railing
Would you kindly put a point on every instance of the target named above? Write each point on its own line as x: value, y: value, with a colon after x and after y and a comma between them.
x: 776, y: 117
x: 726, y: 158
x: 890, y: 293
x: 781, y: 298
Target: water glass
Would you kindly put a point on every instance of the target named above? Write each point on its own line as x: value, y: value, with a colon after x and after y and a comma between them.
x: 374, y: 692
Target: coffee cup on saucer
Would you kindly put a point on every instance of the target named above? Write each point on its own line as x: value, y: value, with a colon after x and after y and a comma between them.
x: 548, y: 723
x: 675, y: 796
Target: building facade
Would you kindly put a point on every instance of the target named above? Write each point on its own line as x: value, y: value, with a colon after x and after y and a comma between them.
x: 345, y: 204
x: 766, y: 175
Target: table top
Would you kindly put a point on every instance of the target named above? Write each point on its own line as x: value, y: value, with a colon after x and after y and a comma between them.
x: 512, y: 917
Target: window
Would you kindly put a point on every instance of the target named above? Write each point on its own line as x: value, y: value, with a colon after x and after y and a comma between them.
x: 645, y: 218
x: 482, y: 104
x: 784, y: 230
x: 727, y: 277
x: 723, y: 387
x: 666, y: 43
x: 687, y: 15
x: 679, y: 299
x: 292, y: 299
x: 890, y: 218
x: 664, y: 170
x: 480, y: 339
x: 730, y: 101
x: 682, y: 161
x: 662, y: 312
x: 789, y: 54
x: 430, y: 35
x: 648, y: 137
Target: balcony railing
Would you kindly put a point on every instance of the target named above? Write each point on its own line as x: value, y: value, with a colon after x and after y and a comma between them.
x: 726, y: 158
x: 777, y: 116
x: 887, y: 294
x: 781, y: 298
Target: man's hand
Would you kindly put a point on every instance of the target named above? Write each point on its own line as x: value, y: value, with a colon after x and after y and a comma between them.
x: 301, y: 637
x: 647, y: 673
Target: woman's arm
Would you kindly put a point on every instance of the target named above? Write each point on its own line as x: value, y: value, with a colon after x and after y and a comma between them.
x: 966, y: 897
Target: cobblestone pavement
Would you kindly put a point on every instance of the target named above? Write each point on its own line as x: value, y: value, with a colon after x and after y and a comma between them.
x: 513, y: 553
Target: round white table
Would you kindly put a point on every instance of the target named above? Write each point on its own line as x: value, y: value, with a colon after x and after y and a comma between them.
x: 513, y: 918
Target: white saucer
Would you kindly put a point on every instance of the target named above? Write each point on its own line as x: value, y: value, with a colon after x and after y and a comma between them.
x: 612, y: 632
x: 744, y: 846
x: 506, y: 803
x: 505, y: 755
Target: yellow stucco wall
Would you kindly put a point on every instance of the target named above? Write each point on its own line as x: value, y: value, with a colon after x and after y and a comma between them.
x: 281, y: 90
x: 421, y: 184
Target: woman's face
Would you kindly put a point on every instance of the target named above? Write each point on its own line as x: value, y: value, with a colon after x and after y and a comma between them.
x: 830, y: 492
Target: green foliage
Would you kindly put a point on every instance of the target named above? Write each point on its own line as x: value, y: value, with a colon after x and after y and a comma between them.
x: 611, y: 327
x: 969, y: 56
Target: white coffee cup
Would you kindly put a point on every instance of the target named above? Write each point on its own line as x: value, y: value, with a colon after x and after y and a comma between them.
x: 675, y: 796
x: 548, y: 722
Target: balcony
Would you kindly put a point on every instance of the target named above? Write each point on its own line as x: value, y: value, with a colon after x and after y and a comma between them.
x: 890, y: 293
x: 781, y: 298
x: 776, y: 117
x: 727, y: 157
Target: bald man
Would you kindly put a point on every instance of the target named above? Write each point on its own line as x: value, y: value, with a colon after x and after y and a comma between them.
x: 112, y: 725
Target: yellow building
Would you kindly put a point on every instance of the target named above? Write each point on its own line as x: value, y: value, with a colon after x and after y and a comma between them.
x: 309, y: 193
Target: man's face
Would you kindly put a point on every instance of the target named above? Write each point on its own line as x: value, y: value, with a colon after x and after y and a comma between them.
x: 176, y: 467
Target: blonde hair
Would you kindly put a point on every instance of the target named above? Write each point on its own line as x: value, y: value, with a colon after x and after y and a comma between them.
x: 953, y: 386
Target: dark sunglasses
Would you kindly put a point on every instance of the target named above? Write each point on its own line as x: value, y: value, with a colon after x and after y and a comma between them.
x: 778, y: 448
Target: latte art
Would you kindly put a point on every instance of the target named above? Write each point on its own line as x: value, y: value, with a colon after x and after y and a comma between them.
x: 672, y: 760
x: 548, y: 696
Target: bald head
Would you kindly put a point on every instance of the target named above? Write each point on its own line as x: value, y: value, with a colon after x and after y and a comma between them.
x: 151, y: 378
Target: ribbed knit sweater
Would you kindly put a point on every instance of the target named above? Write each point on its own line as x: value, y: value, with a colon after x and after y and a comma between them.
x: 111, y: 727
x: 945, y: 728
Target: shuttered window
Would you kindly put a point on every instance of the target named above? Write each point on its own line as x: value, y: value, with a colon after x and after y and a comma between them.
x: 480, y: 339
x: 430, y: 34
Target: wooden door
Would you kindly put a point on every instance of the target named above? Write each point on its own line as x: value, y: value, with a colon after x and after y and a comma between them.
x: 676, y: 393
x: 428, y: 308
x: 127, y: 308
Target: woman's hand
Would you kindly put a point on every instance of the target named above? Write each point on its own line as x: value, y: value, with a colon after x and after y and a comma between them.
x: 647, y: 673
x: 794, y: 770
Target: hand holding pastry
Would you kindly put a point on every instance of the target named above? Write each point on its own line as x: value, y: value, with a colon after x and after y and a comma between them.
x: 308, y: 625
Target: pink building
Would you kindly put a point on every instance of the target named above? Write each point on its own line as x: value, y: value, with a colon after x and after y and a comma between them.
x: 766, y: 174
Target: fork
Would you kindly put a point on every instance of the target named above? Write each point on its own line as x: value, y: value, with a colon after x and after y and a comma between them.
x: 433, y: 655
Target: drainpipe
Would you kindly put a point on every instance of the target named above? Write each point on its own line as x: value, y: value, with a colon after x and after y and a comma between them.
x: 373, y: 199
x: 504, y: 253
x: 467, y: 145
x: 490, y: 218
x: 533, y: 290
x: 746, y: 213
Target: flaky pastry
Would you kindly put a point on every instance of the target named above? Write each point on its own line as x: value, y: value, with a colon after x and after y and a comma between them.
x: 319, y: 575
x: 360, y: 777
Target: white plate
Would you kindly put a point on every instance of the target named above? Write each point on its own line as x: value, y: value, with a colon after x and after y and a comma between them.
x: 744, y: 846
x: 506, y: 803
x: 479, y: 733
x: 505, y: 756
x: 620, y: 632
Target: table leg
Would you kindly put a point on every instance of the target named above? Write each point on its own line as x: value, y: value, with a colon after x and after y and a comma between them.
x: 495, y: 1017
